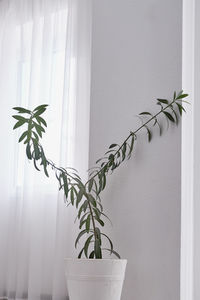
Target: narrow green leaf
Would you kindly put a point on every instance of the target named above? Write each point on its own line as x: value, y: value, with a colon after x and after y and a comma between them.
x: 41, y: 120
x: 145, y: 113
x: 80, y: 254
x: 23, y: 136
x: 45, y: 169
x: 22, y: 110
x: 91, y: 254
x: 111, y: 157
x: 87, y: 224
x: 165, y: 101
x: 82, y: 208
x: 111, y: 244
x: 87, y: 243
x: 169, y: 116
x: 112, y: 146
x: 180, y: 108
x: 39, y: 112
x: 20, y: 118
x: 174, y: 96
x: 28, y: 151
x: 131, y: 146
x: 35, y: 165
x: 112, y: 252
x: 79, y: 197
x: 40, y: 107
x: 90, y: 184
x: 18, y: 124
x: 103, y: 181
x: 36, y: 136
x: 79, y: 236
x: 92, y: 200
x: 99, y: 221
x: 124, y: 151
x: 36, y: 150
x: 182, y: 96
x: 72, y: 196
x: 149, y: 134
x: 160, y: 128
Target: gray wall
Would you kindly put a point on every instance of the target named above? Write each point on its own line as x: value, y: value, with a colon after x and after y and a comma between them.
x: 136, y: 57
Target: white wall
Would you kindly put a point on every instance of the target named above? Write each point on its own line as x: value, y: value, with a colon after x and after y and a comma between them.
x: 136, y: 57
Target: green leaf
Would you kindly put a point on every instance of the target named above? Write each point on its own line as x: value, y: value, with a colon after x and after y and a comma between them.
x: 66, y: 189
x: 22, y: 110
x: 99, y: 220
x: 83, y: 217
x: 175, y: 116
x: 28, y: 151
x: 41, y: 107
x: 103, y: 181
x: 97, y: 212
x: 111, y: 244
x: 82, y: 208
x: 98, y: 160
x: 131, y: 146
x: 18, y: 124
x: 80, y: 254
x: 38, y: 129
x: 91, y: 254
x: 124, y: 151
x: 41, y: 120
x: 112, y: 252
x: 149, y: 134
x: 36, y: 136
x: 182, y: 96
x: 45, y: 169
x: 72, y: 196
x: 87, y: 224
x: 165, y: 101
x: 39, y: 112
x: 174, y: 96
x: 169, y: 116
x: 92, y: 200
x: 23, y: 136
x: 111, y: 157
x: 36, y: 150
x: 145, y: 113
x: 112, y: 146
x: 79, y: 236
x: 180, y: 108
x: 87, y: 243
x: 160, y: 128
x: 79, y: 197
x: 20, y: 118
x: 35, y: 165
x: 90, y: 184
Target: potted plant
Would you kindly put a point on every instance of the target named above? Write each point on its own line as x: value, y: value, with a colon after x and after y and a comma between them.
x: 93, y: 277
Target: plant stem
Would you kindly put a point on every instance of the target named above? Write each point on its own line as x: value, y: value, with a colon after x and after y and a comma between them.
x: 132, y: 134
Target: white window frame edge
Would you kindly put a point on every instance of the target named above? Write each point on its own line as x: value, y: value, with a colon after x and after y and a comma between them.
x: 187, y: 189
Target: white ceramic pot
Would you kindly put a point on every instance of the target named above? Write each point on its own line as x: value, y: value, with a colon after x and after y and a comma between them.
x: 95, y: 279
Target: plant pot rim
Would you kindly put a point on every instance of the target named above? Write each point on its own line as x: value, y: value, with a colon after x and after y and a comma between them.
x: 95, y: 259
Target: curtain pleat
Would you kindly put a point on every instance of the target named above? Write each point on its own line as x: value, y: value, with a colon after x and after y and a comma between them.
x: 44, y: 58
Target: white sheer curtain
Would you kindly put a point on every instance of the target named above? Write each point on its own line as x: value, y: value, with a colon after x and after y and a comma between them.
x: 44, y: 58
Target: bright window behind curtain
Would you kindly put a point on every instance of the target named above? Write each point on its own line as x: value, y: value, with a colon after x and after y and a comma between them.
x: 44, y: 58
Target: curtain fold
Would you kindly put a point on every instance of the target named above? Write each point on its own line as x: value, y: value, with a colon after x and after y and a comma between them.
x: 44, y: 58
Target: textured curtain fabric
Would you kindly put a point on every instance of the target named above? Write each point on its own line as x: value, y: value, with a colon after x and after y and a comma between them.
x: 44, y: 58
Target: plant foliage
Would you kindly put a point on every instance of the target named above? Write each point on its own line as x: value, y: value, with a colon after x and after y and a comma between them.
x: 86, y: 196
